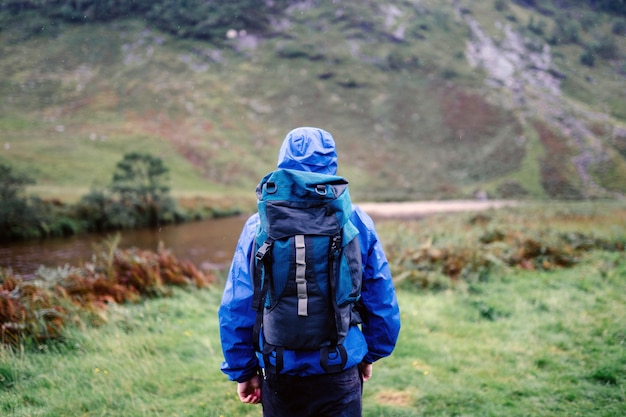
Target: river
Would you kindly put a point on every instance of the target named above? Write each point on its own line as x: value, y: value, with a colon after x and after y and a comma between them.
x: 208, y: 244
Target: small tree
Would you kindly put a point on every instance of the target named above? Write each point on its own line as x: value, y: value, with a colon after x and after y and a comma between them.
x: 140, y: 185
x: 138, y: 196
x: 142, y: 175
x: 16, y: 215
x: 12, y: 184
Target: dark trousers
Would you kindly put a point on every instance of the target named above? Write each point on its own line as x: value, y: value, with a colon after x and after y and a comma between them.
x: 328, y: 395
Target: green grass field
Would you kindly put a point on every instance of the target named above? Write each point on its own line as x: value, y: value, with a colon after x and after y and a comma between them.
x: 412, y: 118
x: 518, y: 342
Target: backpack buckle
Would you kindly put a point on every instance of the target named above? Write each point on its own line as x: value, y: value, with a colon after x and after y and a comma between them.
x: 321, y: 189
x: 335, y: 244
x: 260, y: 254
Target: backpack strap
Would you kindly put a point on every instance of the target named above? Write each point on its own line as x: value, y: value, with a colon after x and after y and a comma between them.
x: 262, y: 278
x: 278, y: 352
x: 334, y: 315
x: 333, y: 276
x: 301, y: 275
x: 326, y: 354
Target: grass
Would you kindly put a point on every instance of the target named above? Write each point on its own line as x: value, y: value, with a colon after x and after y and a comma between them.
x: 77, y: 100
x: 528, y: 344
x: 69, y: 121
x: 516, y: 342
x: 158, y: 358
x: 547, y: 344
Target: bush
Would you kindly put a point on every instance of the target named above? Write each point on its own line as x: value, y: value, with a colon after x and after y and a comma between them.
x: 588, y: 58
x: 92, y: 210
x: 18, y: 219
x: 566, y: 31
x: 202, y: 19
x: 436, y: 265
x: 538, y: 27
x: 589, y: 20
x: 140, y: 189
x: 208, y: 19
x: 40, y: 308
x: 605, y: 47
x: 501, y: 5
x: 138, y: 196
x: 511, y: 189
x: 27, y: 308
x: 619, y: 28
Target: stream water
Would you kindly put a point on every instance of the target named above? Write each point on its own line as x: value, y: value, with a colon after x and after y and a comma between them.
x: 208, y: 244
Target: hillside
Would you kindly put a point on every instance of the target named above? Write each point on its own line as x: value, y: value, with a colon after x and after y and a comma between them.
x: 427, y: 100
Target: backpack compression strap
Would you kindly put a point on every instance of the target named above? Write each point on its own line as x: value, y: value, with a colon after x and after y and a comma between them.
x: 335, y: 349
x: 261, y: 285
x: 301, y: 275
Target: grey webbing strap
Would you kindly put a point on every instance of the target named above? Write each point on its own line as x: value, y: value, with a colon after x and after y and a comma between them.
x: 300, y: 275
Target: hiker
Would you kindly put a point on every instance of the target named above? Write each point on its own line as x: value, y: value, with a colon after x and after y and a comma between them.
x: 275, y: 336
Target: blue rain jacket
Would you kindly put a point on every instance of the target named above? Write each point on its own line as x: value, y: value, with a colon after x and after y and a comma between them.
x: 309, y: 149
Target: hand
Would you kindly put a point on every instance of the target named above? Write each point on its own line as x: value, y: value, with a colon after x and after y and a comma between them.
x: 366, y: 370
x: 250, y: 391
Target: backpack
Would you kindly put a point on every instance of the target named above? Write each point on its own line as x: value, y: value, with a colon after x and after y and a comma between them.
x: 307, y: 266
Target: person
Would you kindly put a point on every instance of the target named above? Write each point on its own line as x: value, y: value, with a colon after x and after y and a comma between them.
x: 302, y: 388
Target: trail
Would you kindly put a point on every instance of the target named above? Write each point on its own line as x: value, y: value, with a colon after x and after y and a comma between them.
x: 417, y: 209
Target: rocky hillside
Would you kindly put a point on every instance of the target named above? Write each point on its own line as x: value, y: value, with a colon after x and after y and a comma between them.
x: 427, y: 100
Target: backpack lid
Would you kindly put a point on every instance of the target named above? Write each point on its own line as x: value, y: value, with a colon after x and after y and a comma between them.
x: 299, y: 202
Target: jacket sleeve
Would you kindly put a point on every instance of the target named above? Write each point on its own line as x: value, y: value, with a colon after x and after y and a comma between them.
x: 236, y: 316
x: 380, y: 312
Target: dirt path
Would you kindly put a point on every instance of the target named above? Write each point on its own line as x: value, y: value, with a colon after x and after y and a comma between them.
x: 424, y: 208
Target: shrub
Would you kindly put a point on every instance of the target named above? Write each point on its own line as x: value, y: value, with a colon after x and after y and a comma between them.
x: 538, y: 27
x: 511, y: 189
x: 39, y: 309
x: 588, y: 58
x: 27, y: 308
x: 589, y: 20
x: 140, y: 188
x: 566, y: 31
x: 210, y: 19
x: 605, y: 47
x: 501, y: 5
x: 138, y: 196
x: 18, y: 218
x: 619, y: 28
x: 433, y: 266
x: 188, y: 18
x: 396, y: 61
x: 92, y: 209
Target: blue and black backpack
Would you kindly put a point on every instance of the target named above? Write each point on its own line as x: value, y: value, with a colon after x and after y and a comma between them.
x: 307, y: 267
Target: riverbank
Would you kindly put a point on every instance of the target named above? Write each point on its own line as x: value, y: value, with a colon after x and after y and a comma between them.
x: 209, y: 243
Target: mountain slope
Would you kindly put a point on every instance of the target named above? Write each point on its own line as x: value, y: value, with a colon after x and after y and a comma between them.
x: 426, y: 100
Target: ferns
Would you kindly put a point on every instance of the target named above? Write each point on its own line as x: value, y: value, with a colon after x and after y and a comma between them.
x: 38, y: 309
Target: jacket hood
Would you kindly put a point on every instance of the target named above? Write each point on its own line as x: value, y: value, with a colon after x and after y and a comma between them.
x: 308, y: 149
